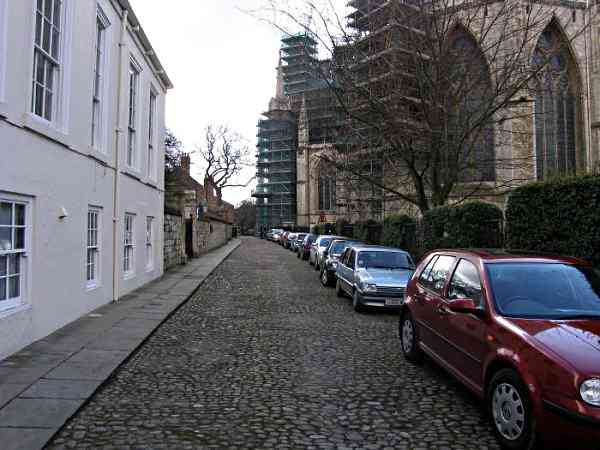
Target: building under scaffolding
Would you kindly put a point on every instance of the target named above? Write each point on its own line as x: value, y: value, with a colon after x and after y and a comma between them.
x: 303, y: 87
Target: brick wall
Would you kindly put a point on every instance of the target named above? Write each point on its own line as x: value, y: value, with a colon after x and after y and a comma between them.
x: 174, y: 243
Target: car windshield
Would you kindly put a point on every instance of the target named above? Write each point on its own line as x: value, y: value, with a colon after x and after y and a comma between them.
x: 384, y: 260
x: 545, y: 291
x: 301, y: 237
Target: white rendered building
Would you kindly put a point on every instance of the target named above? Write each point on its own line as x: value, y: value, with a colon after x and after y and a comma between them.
x: 82, y: 100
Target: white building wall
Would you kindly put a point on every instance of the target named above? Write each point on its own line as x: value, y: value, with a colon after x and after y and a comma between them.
x: 54, y: 169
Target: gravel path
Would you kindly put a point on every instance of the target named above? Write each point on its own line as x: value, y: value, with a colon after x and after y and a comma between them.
x: 264, y: 357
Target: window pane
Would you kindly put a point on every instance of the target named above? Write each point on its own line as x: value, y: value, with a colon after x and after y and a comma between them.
x: 440, y: 271
x: 465, y: 283
x: 5, y: 213
x: 38, y: 29
x: 6, y: 239
x: 55, y: 43
x: 39, y: 100
x: 20, y: 238
x: 48, y: 112
x: 14, y: 287
x: 48, y: 9
x: 3, y: 265
x: 2, y: 288
x: 19, y: 214
x: 14, y: 263
x: 57, y: 4
x: 46, y: 36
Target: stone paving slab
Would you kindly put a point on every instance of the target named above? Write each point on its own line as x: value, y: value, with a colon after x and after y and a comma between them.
x: 42, y: 386
x: 19, y: 439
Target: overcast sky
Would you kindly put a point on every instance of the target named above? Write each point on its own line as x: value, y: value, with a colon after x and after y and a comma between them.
x: 222, y: 64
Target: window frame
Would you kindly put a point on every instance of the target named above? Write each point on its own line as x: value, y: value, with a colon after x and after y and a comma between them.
x: 133, y: 114
x: 94, y: 283
x: 10, y: 305
x: 152, y: 135
x: 100, y: 83
x: 150, y: 243
x: 129, y: 246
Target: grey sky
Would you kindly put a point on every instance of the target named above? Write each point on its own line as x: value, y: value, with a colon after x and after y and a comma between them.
x: 222, y: 63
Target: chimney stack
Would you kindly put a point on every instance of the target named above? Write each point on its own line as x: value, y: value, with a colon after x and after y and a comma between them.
x: 185, y: 164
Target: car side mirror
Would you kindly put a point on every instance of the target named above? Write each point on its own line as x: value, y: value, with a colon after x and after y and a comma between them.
x: 325, y: 253
x: 464, y: 306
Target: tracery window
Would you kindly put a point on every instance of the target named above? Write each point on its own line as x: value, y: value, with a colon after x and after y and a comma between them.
x: 557, y: 107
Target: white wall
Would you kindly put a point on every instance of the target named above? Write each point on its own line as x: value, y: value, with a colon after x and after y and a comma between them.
x: 53, y: 166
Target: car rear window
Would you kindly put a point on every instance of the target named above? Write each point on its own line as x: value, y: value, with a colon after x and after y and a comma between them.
x: 324, y: 242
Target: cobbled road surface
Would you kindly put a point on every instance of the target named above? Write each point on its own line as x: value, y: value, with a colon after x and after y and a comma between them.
x: 264, y: 357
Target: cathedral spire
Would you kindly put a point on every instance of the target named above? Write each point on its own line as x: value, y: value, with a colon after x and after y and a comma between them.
x: 280, y: 101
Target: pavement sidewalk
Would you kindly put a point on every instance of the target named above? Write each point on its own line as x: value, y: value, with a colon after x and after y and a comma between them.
x: 45, y: 384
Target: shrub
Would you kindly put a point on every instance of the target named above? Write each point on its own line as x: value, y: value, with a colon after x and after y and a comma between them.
x: 559, y: 216
x: 344, y: 228
x: 317, y: 229
x: 400, y: 231
x: 470, y: 225
x: 368, y: 231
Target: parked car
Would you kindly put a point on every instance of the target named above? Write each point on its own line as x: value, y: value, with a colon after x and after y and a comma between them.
x: 521, y: 331
x: 271, y: 234
x: 304, y: 249
x: 283, y: 238
x: 277, y: 237
x: 332, y: 255
x: 374, y: 276
x: 291, y: 237
x: 298, y: 242
x: 318, y: 248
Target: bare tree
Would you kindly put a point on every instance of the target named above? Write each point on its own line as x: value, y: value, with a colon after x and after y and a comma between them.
x: 226, y: 154
x: 435, y: 94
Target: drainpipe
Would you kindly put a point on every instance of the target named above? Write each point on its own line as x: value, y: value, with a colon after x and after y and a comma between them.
x: 117, y: 180
x: 588, y: 68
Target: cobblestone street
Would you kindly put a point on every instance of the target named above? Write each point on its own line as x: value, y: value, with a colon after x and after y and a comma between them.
x: 264, y: 357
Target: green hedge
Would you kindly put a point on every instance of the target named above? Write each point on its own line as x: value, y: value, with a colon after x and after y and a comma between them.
x: 469, y: 225
x: 400, y: 231
x: 559, y: 216
x: 368, y: 231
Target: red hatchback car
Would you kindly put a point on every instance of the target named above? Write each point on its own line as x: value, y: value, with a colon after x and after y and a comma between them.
x: 521, y: 331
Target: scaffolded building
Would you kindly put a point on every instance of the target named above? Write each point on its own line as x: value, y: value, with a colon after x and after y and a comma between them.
x: 303, y: 89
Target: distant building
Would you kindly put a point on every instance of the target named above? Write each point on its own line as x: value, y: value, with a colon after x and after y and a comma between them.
x: 208, y: 219
x: 82, y: 101
x: 300, y: 121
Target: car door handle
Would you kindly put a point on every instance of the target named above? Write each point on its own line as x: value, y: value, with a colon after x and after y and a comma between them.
x: 442, y: 310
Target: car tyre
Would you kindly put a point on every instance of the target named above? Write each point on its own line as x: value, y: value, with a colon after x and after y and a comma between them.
x: 510, y: 411
x: 356, y: 302
x: 409, y: 338
x: 324, y: 278
x: 338, y: 288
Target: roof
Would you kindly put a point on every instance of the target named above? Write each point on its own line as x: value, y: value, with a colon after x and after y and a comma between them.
x: 505, y: 255
x: 148, y: 50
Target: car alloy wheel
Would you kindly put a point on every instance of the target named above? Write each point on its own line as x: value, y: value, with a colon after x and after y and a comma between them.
x: 510, y: 410
x: 409, y: 338
x: 324, y: 278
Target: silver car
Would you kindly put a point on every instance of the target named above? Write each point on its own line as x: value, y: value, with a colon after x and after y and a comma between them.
x: 315, y: 256
x: 374, y: 276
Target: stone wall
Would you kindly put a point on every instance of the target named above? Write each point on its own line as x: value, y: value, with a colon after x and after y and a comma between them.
x: 174, y: 243
x: 209, y: 235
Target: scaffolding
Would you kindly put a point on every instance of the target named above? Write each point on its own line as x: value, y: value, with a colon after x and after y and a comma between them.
x: 276, y: 170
